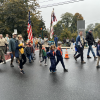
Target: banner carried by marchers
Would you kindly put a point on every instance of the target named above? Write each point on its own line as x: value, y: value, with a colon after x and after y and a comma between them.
x: 53, y: 19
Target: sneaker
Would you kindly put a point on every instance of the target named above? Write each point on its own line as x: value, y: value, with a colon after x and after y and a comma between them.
x: 50, y: 70
x: 95, y: 57
x: 65, y: 70
x: 40, y: 62
x: 53, y: 71
x: 98, y: 66
x: 88, y: 57
x: 75, y: 58
x: 83, y: 62
x: 11, y: 65
x: 4, y: 62
x: 45, y: 64
x: 22, y: 72
x: 30, y: 62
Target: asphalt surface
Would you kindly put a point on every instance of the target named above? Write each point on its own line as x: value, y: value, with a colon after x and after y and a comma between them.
x: 82, y: 82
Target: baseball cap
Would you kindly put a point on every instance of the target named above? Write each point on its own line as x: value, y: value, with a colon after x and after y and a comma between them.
x: 14, y: 34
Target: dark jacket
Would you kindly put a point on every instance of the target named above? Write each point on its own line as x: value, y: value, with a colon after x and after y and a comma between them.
x: 12, y: 45
x: 27, y: 51
x: 98, y: 50
x: 90, y: 38
x: 58, y: 54
x: 50, y: 54
x: 56, y: 39
x: 17, y: 49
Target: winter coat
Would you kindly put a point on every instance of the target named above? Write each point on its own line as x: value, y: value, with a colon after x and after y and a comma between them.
x: 90, y: 39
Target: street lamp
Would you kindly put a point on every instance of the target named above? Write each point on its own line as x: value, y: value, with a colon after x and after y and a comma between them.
x: 42, y: 32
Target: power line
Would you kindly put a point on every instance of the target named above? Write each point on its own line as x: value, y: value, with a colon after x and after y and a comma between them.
x: 42, y: 1
x: 45, y: 1
x: 60, y: 3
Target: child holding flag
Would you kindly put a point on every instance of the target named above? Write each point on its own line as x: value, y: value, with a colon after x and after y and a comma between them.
x: 59, y: 57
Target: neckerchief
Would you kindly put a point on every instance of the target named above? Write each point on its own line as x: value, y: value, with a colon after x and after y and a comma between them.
x: 53, y: 53
x: 59, y: 50
x: 43, y: 49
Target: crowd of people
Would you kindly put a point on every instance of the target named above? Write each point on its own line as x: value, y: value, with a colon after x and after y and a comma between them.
x: 79, y: 47
x: 22, y: 50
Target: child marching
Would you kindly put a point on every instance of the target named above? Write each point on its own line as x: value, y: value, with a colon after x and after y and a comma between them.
x: 44, y: 55
x: 60, y: 57
x: 52, y: 55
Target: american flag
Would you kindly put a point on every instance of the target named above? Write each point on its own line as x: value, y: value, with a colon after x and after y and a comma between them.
x: 53, y: 19
x: 29, y: 29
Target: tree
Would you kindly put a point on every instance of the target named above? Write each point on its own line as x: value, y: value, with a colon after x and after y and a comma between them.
x: 14, y: 15
x: 67, y: 19
x: 96, y: 32
x: 76, y: 17
x: 90, y: 27
x: 58, y: 28
x: 65, y: 33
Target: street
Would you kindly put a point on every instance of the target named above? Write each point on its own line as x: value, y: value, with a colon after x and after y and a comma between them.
x: 82, y: 82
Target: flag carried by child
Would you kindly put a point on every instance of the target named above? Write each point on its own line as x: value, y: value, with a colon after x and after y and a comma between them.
x: 29, y: 29
x: 53, y: 19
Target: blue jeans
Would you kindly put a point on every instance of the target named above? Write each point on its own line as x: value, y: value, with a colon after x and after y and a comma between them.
x: 30, y: 57
x: 90, y: 49
x: 56, y: 43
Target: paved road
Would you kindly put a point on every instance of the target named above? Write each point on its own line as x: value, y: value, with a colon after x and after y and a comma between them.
x: 82, y: 82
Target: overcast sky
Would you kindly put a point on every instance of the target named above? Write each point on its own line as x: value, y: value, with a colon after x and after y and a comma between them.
x: 90, y: 10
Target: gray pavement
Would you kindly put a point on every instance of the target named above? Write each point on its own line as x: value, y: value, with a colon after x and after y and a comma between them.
x: 82, y: 82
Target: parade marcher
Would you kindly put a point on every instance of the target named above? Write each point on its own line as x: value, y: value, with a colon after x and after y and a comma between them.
x: 34, y: 44
x: 12, y: 47
x: 98, y: 53
x: 52, y: 55
x: 40, y: 45
x: 7, y: 39
x: 46, y: 43
x: 3, y: 44
x: 90, y: 40
x: 28, y: 52
x: 44, y: 55
x: 56, y: 40
x: 80, y: 45
x: 22, y: 57
x: 60, y: 57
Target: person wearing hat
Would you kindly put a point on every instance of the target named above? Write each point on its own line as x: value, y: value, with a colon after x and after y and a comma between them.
x: 40, y: 45
x: 3, y: 43
x: 91, y: 41
x: 12, y: 47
